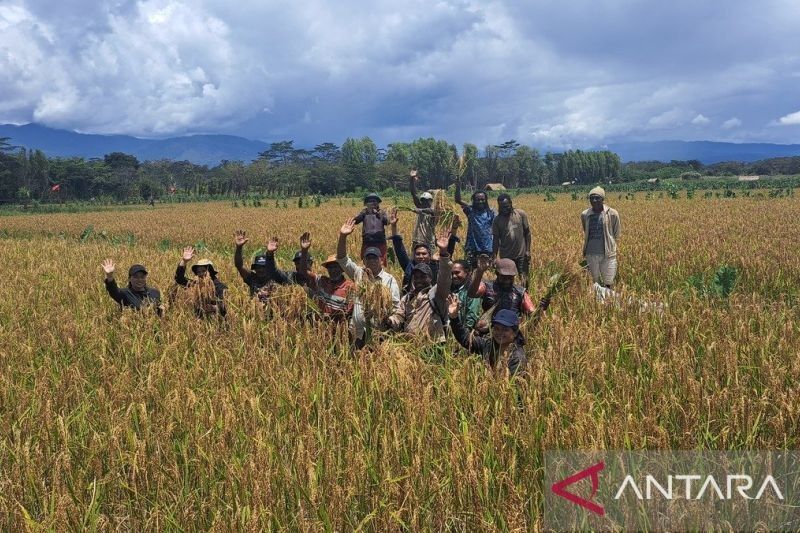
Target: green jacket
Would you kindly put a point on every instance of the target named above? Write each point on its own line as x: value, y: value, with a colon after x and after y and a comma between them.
x: 470, y: 308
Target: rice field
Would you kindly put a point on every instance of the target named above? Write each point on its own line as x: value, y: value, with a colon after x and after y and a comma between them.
x: 127, y: 421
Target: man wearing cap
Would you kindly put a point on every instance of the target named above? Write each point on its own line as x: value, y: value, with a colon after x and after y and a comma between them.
x: 203, y: 269
x: 260, y: 278
x: 423, y: 310
x: 421, y: 251
x: 500, y: 293
x: 504, y: 351
x: 425, y: 225
x: 601, y: 231
x: 479, y: 225
x: 375, y: 220
x: 332, y: 292
x: 137, y: 295
x: 511, y: 236
x: 371, y: 272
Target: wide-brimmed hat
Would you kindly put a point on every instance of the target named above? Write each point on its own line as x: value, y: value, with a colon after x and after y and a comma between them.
x: 205, y: 263
x: 506, y: 267
x: 330, y: 261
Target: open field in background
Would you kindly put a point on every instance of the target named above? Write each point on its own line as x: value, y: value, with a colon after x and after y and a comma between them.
x: 140, y: 423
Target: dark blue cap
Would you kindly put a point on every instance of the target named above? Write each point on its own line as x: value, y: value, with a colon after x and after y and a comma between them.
x: 259, y: 261
x: 299, y: 254
x: 506, y: 317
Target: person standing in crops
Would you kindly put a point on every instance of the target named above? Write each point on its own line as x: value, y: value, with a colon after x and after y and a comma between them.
x: 470, y: 310
x: 332, y: 293
x: 601, y: 231
x: 479, y: 225
x: 211, y: 291
x: 500, y: 293
x: 511, y: 236
x: 422, y: 253
x: 371, y: 273
x: 260, y: 278
x: 373, y: 235
x: 425, y: 225
x: 137, y: 295
x: 423, y: 310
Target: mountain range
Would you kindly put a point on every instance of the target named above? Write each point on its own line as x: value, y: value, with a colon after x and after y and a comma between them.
x: 212, y: 149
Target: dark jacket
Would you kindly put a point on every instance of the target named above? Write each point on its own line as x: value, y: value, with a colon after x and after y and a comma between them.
x: 219, y: 289
x: 505, y: 299
x: 489, y: 349
x: 374, y: 224
x: 128, y: 297
x: 407, y: 264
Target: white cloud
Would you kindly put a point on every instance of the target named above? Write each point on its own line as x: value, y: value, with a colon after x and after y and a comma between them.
x: 700, y: 120
x: 792, y: 119
x: 731, y: 123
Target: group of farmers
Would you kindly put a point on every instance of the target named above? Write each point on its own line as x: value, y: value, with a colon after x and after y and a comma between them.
x: 437, y: 295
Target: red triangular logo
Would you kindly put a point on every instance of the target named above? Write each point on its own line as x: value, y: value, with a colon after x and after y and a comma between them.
x: 593, y: 472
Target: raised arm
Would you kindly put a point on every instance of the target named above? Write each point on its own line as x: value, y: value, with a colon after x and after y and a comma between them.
x: 474, y: 290
x: 111, y: 284
x: 443, y: 277
x: 459, y: 201
x: 413, y: 176
x: 278, y: 275
x: 180, y: 272
x: 451, y: 242
x: 397, y: 241
x: 240, y: 239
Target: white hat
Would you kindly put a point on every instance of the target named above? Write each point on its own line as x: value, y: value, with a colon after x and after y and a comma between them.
x: 426, y: 196
x: 598, y: 191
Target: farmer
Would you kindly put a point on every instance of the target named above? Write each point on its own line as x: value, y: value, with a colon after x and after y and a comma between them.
x: 203, y: 269
x: 332, y: 292
x: 371, y: 272
x: 303, y: 264
x: 470, y: 308
x: 423, y: 310
x: 137, y: 295
x: 511, y: 236
x: 601, y: 231
x: 504, y: 351
x: 500, y: 293
x: 375, y: 220
x: 479, y: 225
x: 260, y: 278
x: 425, y: 225
x: 421, y: 251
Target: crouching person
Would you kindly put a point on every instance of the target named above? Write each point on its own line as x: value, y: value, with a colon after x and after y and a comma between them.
x: 137, y: 295
x: 207, y: 293
x: 504, y: 351
x: 423, y: 310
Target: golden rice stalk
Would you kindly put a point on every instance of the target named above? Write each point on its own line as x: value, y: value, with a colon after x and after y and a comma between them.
x: 201, y: 292
x: 375, y: 298
x: 290, y: 302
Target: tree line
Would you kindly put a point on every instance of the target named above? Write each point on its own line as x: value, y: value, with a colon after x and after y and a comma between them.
x: 328, y: 169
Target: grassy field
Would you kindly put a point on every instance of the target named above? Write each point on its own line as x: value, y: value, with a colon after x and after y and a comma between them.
x: 127, y: 421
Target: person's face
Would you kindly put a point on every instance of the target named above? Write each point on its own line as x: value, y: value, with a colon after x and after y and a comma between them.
x: 425, y: 202
x: 260, y: 272
x: 138, y: 281
x: 502, y: 334
x: 479, y: 201
x: 372, y: 204
x: 201, y: 271
x: 373, y: 262
x: 334, y: 271
x: 422, y: 254
x: 596, y: 202
x: 459, y: 275
x: 506, y: 282
x: 505, y: 206
x: 304, y: 266
x: 420, y: 280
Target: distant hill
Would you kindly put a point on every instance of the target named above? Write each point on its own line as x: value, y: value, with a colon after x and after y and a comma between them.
x: 707, y: 152
x: 199, y: 149
x: 211, y: 149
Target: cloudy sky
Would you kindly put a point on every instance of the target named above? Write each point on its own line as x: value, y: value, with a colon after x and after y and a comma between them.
x: 550, y: 73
